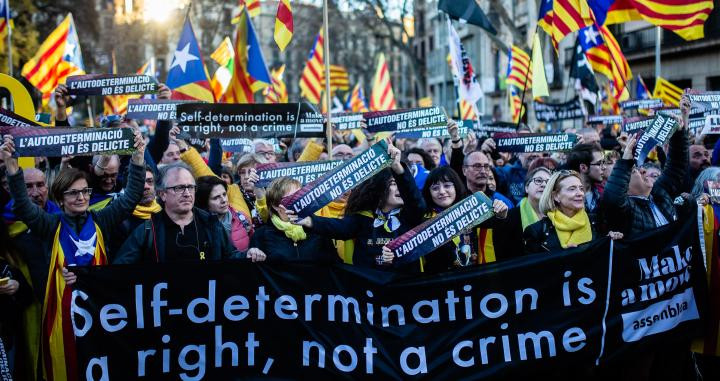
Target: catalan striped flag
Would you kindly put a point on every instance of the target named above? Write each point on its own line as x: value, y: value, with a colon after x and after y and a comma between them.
x: 467, y: 110
x: 114, y: 104
x: 5, y: 20
x: 608, y: 103
x: 605, y: 56
x: 57, y: 58
x: 356, y: 100
x: 558, y: 18
x: 518, y: 70
x: 339, y: 78
x: 187, y: 76
x: 283, y: 24
x: 58, y: 340
x: 224, y: 55
x: 311, y: 80
x: 382, y: 97
x: 148, y: 68
x: 685, y: 18
x: 277, y: 92
x: 250, y: 72
x: 516, y: 109
x: 253, y: 8
x: 669, y: 93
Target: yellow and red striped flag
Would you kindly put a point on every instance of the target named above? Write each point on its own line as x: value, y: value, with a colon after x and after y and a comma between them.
x: 605, y: 56
x: 515, y: 104
x: 283, y: 24
x: 339, y: 79
x: 382, y: 97
x: 356, y: 102
x: 57, y: 58
x: 668, y: 92
x: 467, y: 111
x: 565, y: 17
x: 277, y: 92
x: 518, y: 71
x: 114, y: 104
x: 224, y: 55
x: 253, y: 8
x: 6, y: 23
x: 684, y: 17
x: 311, y: 81
x: 250, y: 73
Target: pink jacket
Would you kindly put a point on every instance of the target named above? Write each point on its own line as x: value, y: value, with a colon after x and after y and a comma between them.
x: 241, y: 230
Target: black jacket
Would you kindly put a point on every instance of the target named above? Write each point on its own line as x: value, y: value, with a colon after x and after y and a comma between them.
x: 632, y: 215
x: 12, y: 306
x: 507, y: 237
x: 147, y: 242
x: 278, y: 247
x: 542, y: 237
x: 368, y: 239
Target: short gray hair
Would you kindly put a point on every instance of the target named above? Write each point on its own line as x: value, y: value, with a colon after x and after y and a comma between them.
x: 165, y: 171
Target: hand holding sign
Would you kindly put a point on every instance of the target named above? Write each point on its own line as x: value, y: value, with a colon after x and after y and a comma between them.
x: 6, y: 154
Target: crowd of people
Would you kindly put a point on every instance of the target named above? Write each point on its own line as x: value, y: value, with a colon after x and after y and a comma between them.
x: 175, y: 201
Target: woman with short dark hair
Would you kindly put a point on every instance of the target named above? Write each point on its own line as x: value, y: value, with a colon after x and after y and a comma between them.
x: 211, y: 196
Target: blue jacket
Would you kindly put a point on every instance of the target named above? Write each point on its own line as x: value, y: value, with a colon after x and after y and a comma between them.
x: 514, y: 177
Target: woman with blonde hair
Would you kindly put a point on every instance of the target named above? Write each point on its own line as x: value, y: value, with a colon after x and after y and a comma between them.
x: 566, y: 223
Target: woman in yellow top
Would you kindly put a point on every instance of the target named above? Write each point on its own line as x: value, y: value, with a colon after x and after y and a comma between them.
x: 566, y: 223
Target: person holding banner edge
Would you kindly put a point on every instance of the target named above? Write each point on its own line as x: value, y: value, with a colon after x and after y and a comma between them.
x: 78, y: 237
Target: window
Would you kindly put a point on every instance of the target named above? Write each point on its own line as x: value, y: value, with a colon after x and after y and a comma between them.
x: 713, y: 83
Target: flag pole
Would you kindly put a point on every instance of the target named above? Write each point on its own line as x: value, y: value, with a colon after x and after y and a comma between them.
x: 658, y: 38
x: 522, y: 98
x: 326, y: 63
x: 9, y: 39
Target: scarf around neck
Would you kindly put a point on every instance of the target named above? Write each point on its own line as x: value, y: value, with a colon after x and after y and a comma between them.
x: 574, y: 230
x: 145, y: 212
x: 294, y: 232
x: 389, y: 220
x: 527, y: 213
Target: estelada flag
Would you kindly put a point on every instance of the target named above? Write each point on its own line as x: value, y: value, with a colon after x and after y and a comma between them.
x: 187, y: 77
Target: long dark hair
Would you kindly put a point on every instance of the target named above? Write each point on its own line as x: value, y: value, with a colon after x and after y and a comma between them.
x: 371, y: 194
x: 443, y: 174
x: 428, y: 162
x: 205, y: 185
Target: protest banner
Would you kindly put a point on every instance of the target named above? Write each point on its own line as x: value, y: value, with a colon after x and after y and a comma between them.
x: 237, y: 145
x: 712, y: 125
x: 43, y: 117
x: 555, y: 112
x: 549, y: 314
x: 658, y: 133
x: 605, y: 119
x: 487, y: 129
x: 706, y: 100
x: 642, y: 104
x: 407, y: 119
x: 80, y: 141
x: 636, y: 123
x: 514, y: 142
x: 713, y: 189
x: 9, y: 118
x: 154, y: 109
x: 431, y: 234
x: 251, y: 121
x: 346, y: 121
x: 111, y: 84
x: 439, y: 132
x: 5, y: 373
x: 313, y: 196
x: 304, y: 172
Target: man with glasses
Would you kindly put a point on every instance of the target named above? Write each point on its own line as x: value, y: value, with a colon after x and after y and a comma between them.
x: 265, y: 149
x: 179, y: 233
x: 103, y: 178
x: 589, y: 161
x: 476, y: 170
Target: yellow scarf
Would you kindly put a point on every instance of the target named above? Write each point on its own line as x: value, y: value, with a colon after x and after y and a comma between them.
x: 294, y: 232
x: 145, y: 212
x: 571, y: 231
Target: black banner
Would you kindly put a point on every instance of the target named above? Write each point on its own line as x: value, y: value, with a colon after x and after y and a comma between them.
x: 605, y: 119
x: 79, y: 141
x: 237, y: 145
x: 514, y: 142
x: 9, y: 118
x: 111, y: 84
x: 493, y: 127
x: 637, y: 123
x: 251, y: 121
x: 313, y: 196
x: 431, y: 234
x: 401, y: 120
x: 644, y: 104
x: 555, y: 112
x: 346, y: 121
x: 435, y: 131
x: 5, y: 374
x: 544, y: 314
x: 658, y: 133
x: 707, y: 100
x: 304, y: 172
x: 155, y: 109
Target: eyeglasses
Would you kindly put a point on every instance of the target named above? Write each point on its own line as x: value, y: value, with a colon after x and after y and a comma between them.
x: 266, y: 153
x: 74, y: 193
x: 478, y: 167
x: 439, y: 186
x: 600, y: 163
x: 179, y: 189
x: 539, y: 182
